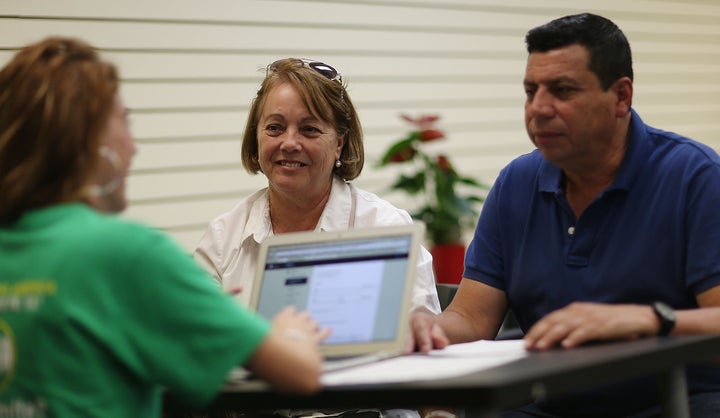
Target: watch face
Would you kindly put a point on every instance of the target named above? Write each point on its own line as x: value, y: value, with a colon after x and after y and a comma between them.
x: 665, y: 311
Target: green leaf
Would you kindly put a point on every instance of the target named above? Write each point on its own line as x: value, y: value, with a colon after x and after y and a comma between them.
x: 410, y: 184
x: 445, y: 211
x: 472, y: 182
x: 397, y: 147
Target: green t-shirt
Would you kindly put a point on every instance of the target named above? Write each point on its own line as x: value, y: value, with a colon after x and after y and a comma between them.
x: 98, y: 314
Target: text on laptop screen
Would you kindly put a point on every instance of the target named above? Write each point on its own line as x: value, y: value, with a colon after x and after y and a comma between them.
x: 353, y: 287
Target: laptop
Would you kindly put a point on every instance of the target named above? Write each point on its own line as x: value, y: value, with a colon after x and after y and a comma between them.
x: 357, y: 282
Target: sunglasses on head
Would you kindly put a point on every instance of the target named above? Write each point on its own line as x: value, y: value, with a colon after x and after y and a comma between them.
x: 325, y: 70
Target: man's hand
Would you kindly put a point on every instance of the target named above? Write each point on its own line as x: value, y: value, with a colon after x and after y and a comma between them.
x: 581, y: 322
x: 425, y: 334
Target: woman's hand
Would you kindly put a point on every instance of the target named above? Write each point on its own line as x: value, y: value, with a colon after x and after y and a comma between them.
x: 299, y: 326
x: 290, y: 357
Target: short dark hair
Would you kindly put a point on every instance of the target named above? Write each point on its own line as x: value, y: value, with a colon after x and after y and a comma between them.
x: 609, y: 50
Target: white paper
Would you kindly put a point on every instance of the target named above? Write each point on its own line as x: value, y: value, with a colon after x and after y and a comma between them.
x: 453, y: 360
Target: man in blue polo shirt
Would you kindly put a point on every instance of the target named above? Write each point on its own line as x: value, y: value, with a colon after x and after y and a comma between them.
x: 608, y: 230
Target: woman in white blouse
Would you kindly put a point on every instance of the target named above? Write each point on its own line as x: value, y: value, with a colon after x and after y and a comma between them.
x: 304, y: 135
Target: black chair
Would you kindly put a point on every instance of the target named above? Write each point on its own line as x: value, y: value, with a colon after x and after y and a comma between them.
x: 509, y: 330
x: 445, y: 292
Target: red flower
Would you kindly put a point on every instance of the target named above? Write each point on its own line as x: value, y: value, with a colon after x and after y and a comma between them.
x: 404, y: 154
x: 423, y: 121
x: 428, y: 135
x: 443, y: 163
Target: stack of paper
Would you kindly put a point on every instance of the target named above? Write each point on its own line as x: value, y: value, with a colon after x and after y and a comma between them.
x: 453, y: 360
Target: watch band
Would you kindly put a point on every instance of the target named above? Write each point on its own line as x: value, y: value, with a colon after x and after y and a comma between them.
x: 666, y: 315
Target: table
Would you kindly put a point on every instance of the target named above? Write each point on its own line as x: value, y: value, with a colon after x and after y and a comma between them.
x: 537, y: 376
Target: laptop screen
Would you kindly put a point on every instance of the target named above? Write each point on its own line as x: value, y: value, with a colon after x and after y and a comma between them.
x: 353, y: 286
x: 356, y: 282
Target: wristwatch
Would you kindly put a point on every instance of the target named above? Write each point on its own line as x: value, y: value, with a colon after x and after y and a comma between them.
x: 666, y: 315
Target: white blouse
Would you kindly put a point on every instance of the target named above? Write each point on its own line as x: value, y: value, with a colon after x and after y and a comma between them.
x: 230, y: 246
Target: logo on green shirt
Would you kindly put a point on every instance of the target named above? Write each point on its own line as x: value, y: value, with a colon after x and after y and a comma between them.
x: 7, y: 355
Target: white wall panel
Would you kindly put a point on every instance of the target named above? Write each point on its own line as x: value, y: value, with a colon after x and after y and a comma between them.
x: 189, y: 183
x: 190, y: 71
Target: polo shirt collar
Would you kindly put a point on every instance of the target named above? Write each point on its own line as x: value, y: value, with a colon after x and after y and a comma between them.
x: 636, y: 154
x: 43, y: 218
x: 550, y: 177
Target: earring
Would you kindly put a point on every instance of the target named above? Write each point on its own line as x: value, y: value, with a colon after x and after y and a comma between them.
x: 338, y: 163
x: 118, y: 175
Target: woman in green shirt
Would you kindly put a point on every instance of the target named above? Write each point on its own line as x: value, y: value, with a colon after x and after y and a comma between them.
x: 99, y: 314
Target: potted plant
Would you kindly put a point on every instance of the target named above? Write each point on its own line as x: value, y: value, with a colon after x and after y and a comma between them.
x: 445, y: 210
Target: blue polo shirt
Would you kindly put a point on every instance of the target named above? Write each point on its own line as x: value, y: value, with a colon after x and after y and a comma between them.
x: 653, y: 234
